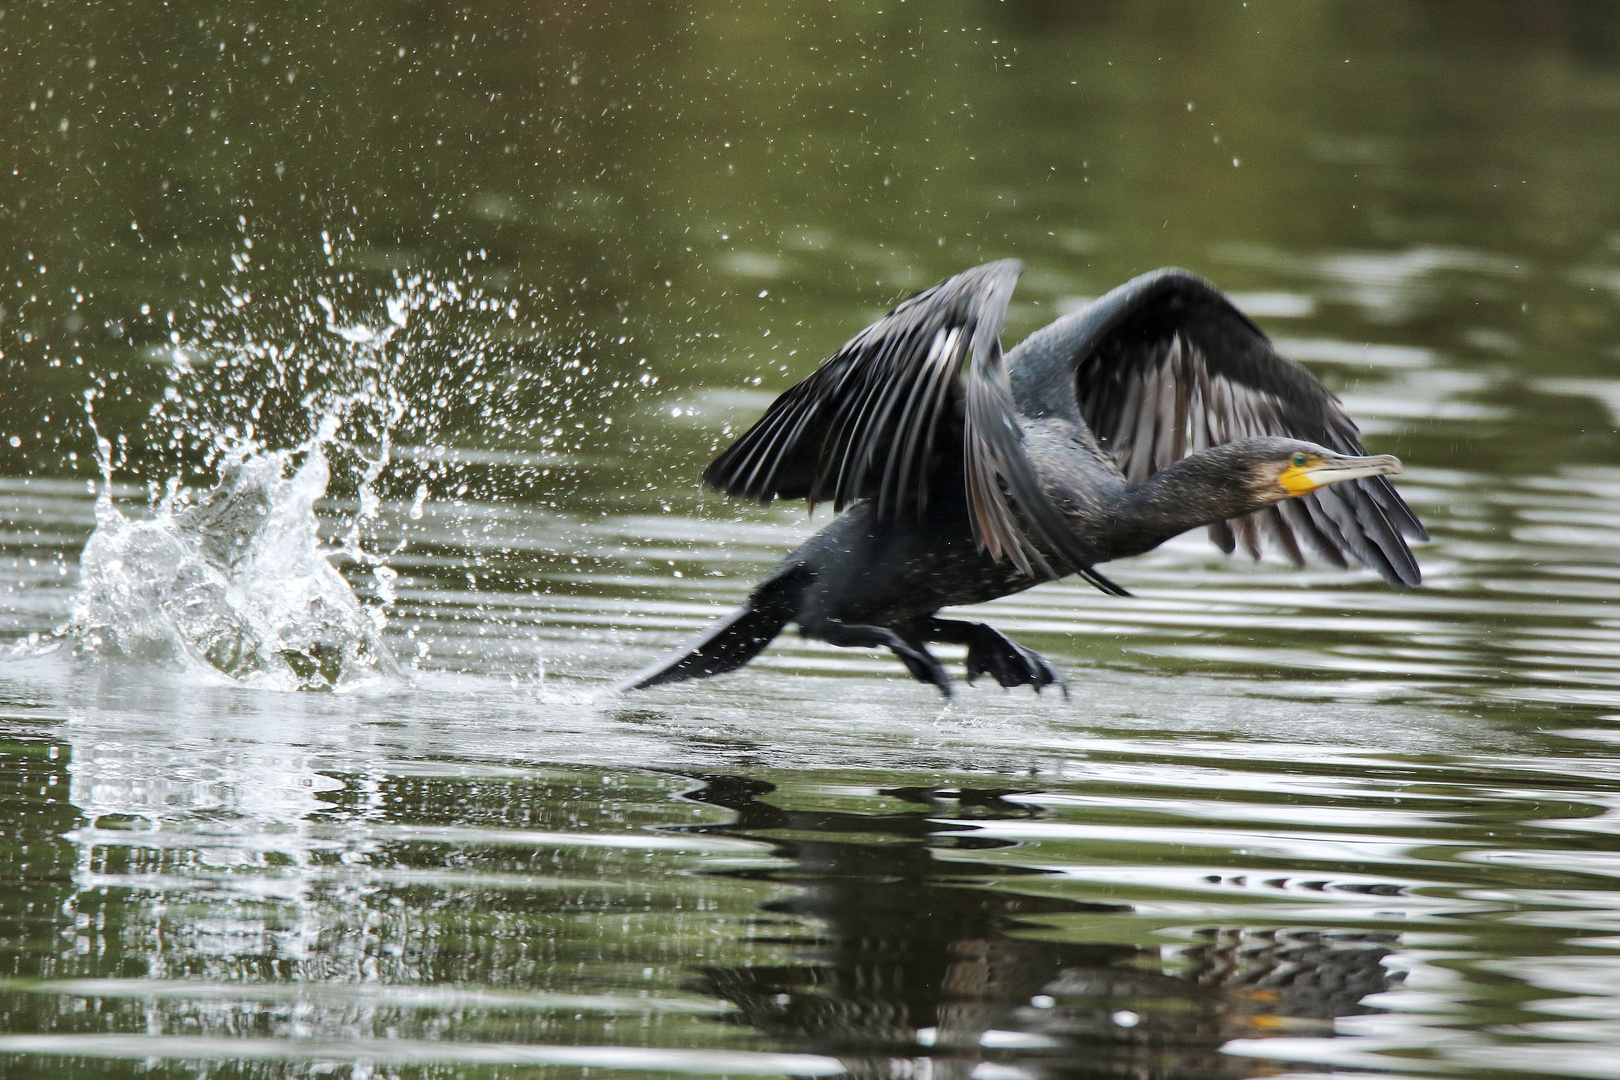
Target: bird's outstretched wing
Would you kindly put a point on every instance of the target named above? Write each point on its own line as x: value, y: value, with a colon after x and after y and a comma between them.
x: 1164, y: 365
x: 866, y: 424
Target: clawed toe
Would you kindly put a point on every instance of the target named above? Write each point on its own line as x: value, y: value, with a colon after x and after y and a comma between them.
x: 989, y: 651
x: 922, y: 664
x: 925, y: 668
x: 1010, y: 664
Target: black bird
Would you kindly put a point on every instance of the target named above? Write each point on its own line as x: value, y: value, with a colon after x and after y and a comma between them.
x: 1156, y: 409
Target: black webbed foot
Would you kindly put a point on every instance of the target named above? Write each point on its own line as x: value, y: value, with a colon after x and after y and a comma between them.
x: 923, y: 665
x: 990, y: 652
x: 1011, y: 664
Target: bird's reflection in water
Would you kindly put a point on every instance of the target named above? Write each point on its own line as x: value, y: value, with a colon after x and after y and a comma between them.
x: 922, y: 971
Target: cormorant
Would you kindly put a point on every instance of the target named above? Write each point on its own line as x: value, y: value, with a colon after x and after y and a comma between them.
x: 1157, y: 408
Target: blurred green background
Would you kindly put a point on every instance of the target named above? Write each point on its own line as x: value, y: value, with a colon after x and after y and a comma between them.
x: 717, y: 194
x: 557, y: 254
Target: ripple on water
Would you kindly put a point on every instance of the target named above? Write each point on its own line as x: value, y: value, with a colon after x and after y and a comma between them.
x: 1287, y: 815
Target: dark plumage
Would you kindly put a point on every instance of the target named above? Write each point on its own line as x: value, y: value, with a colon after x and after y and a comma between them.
x: 1154, y: 410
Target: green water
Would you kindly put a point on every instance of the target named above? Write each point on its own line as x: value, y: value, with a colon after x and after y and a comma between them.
x: 1290, y: 822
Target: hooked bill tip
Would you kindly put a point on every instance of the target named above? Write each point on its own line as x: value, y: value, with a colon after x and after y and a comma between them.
x: 1372, y: 465
x: 1388, y: 463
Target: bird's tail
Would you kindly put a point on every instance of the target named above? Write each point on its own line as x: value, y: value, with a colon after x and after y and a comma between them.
x: 736, y: 640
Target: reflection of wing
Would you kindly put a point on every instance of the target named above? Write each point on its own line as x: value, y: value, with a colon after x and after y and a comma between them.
x: 866, y: 424
x: 1164, y: 365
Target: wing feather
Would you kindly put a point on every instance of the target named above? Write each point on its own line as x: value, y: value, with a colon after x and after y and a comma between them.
x: 1281, y: 535
x: 1165, y: 365
x: 868, y: 425
x: 1000, y: 474
x: 865, y: 425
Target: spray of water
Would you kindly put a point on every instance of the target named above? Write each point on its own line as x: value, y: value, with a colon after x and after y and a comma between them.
x: 272, y: 397
x: 236, y: 583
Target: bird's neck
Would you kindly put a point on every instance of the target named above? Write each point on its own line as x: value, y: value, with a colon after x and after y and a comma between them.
x: 1200, y: 489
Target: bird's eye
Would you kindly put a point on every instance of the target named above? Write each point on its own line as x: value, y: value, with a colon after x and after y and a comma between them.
x: 1299, y: 461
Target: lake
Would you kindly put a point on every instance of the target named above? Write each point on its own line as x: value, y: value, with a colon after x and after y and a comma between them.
x: 460, y: 299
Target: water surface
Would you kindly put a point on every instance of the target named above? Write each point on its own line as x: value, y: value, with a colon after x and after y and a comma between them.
x: 550, y: 258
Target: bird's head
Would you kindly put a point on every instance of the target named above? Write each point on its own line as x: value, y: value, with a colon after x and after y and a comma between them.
x: 1233, y: 479
x: 1278, y: 469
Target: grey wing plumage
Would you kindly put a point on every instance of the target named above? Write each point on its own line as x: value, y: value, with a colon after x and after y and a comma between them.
x: 1164, y: 366
x: 866, y: 425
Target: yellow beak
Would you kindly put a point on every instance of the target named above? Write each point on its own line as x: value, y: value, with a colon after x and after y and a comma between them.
x: 1303, y: 479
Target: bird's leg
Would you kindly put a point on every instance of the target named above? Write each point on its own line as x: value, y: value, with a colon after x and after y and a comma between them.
x: 990, y: 652
x: 923, y: 665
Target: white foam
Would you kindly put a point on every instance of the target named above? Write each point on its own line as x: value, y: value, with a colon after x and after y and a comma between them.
x: 237, y: 584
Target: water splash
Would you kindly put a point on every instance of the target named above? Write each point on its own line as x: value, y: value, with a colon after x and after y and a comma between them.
x: 417, y: 384
x: 235, y: 582
x: 446, y: 357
